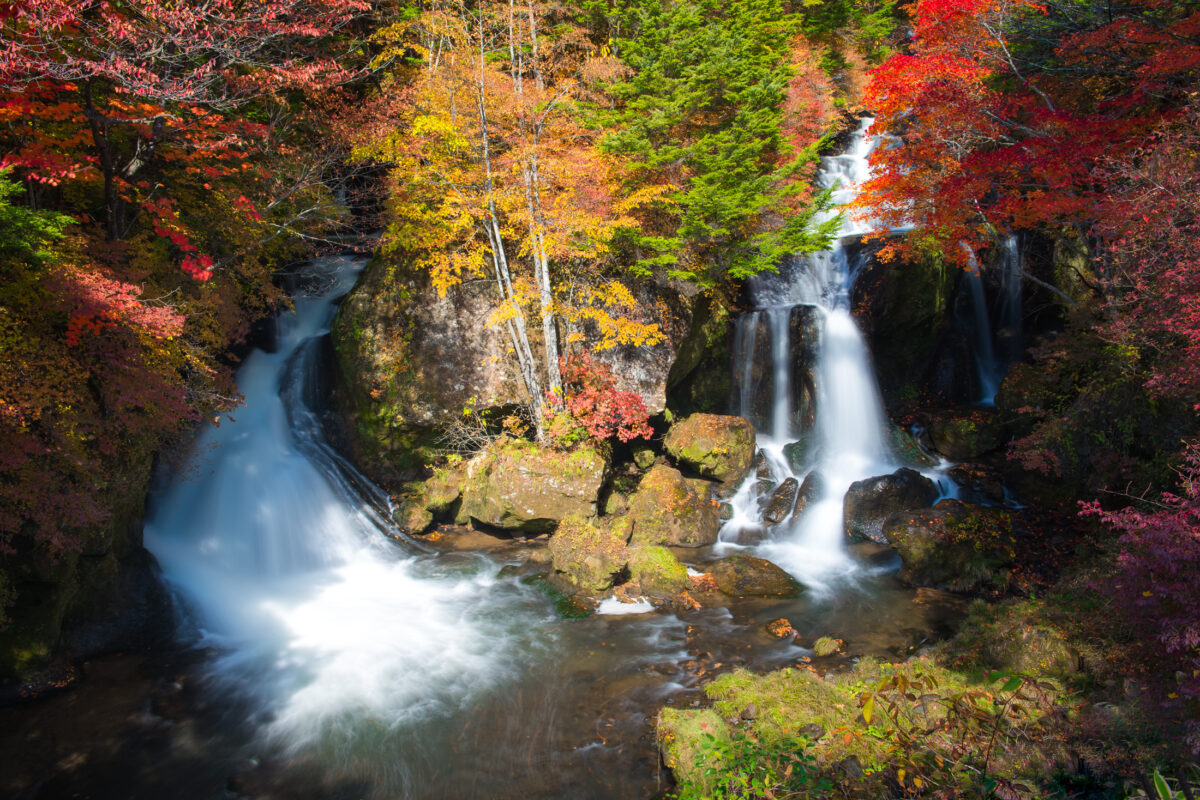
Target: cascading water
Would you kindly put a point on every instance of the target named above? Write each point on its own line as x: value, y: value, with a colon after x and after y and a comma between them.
x: 345, y: 644
x: 848, y: 440
x: 996, y: 339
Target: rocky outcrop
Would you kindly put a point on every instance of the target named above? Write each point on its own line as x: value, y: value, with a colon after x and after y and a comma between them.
x: 412, y: 359
x: 668, y: 509
x: 715, y: 446
x: 869, y: 502
x: 589, y: 555
x: 516, y: 485
x: 953, y: 546
x: 747, y: 576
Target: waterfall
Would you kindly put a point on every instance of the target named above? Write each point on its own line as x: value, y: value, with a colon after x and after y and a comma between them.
x: 848, y: 440
x: 996, y: 343
x: 285, y: 562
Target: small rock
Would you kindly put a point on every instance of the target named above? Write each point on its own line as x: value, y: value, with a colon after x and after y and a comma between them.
x: 813, y: 731
x: 781, y: 629
x: 826, y: 646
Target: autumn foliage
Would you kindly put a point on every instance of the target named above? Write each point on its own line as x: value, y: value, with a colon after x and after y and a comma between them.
x: 594, y: 401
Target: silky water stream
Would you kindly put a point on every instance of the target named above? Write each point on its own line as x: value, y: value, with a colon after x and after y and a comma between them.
x: 322, y: 654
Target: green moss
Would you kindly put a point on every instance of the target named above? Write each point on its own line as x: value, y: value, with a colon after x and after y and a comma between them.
x: 567, y: 606
x: 589, y: 555
x: 685, y: 739
x: 658, y: 571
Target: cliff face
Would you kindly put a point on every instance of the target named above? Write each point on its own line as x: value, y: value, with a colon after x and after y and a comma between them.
x: 411, y: 361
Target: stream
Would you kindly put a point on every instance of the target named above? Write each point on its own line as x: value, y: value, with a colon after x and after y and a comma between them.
x: 323, y: 654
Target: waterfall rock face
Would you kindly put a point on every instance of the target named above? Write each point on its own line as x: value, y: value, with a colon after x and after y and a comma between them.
x: 669, y: 509
x: 869, y: 502
x: 716, y: 446
x: 516, y: 485
x: 411, y: 360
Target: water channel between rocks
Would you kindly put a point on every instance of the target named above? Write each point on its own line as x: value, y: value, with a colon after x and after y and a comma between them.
x: 324, y: 655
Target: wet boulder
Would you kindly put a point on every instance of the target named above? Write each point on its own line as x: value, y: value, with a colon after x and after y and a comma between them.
x: 953, y: 546
x: 587, y: 554
x: 412, y: 517
x: 869, y: 502
x: 716, y: 446
x: 810, y: 492
x: 781, y: 501
x: 657, y: 571
x: 516, y: 485
x: 747, y: 576
x: 966, y: 436
x: 668, y: 509
x: 439, y: 493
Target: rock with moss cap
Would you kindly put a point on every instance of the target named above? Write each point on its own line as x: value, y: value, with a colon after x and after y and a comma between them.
x: 668, y: 509
x: 657, y: 571
x: 953, y: 546
x: 517, y: 485
x: 747, y: 576
x: 588, y: 555
x: 716, y: 446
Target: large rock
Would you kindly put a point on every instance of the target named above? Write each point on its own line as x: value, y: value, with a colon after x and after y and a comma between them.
x: 953, y: 546
x: 588, y: 554
x: 869, y: 502
x: 966, y: 436
x: 716, y: 446
x: 669, y: 509
x: 747, y: 576
x: 516, y: 485
x: 412, y: 359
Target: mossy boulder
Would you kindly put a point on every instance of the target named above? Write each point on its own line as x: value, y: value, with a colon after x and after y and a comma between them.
x: 668, y: 509
x: 766, y: 719
x: 439, y: 493
x: 517, y: 485
x: 953, y: 546
x: 748, y: 576
x: 412, y: 517
x: 1020, y: 635
x: 589, y: 555
x: 869, y: 502
x: 715, y: 446
x: 966, y: 436
x: 657, y: 571
x: 685, y: 741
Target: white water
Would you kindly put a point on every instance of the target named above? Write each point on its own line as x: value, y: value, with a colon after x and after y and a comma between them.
x: 849, y: 440
x: 286, y: 565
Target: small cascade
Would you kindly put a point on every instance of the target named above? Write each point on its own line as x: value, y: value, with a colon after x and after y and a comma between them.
x: 996, y: 338
x: 806, y: 308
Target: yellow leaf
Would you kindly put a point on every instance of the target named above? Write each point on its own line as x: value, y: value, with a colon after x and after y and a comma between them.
x: 868, y: 710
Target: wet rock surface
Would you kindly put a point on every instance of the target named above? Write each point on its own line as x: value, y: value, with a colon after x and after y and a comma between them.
x: 715, y: 446
x: 869, y: 502
x: 668, y: 509
x: 748, y: 576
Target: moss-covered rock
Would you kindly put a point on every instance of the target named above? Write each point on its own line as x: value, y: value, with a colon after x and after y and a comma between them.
x: 440, y: 492
x: 953, y: 546
x: 965, y: 436
x: 718, y: 447
x: 657, y: 571
x: 747, y: 576
x: 1019, y: 635
x: 668, y: 509
x: 587, y: 554
x: 516, y: 485
x: 412, y: 517
x: 759, y: 724
x: 686, y: 739
x: 869, y: 502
